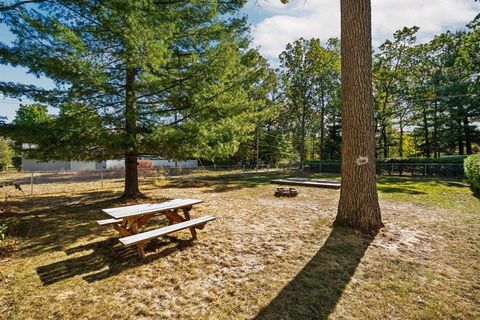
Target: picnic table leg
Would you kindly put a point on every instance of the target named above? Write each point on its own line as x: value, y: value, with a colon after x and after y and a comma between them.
x: 140, y: 246
x: 186, y: 212
x: 174, y: 217
x: 130, y: 227
x: 143, y: 220
x: 123, y: 228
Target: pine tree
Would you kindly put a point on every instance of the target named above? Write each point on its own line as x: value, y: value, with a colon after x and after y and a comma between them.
x: 129, y: 74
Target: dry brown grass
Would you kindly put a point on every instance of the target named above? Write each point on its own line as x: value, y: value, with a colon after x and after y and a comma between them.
x: 264, y: 258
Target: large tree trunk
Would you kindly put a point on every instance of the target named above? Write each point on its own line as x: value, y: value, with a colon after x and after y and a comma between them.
x: 358, y: 206
x: 131, y: 190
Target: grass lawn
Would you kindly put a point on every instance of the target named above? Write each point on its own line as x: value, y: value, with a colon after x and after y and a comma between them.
x: 263, y: 258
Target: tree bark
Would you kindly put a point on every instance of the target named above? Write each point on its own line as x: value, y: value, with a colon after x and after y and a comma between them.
x: 131, y: 190
x: 358, y: 207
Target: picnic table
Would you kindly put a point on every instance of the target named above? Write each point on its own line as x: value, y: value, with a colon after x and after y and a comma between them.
x: 128, y: 221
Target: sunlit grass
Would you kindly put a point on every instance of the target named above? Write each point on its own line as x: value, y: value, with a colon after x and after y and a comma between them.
x: 264, y: 257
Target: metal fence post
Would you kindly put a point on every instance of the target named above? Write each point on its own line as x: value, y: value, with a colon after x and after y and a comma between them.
x: 101, y: 179
x: 424, y: 169
x: 31, y: 184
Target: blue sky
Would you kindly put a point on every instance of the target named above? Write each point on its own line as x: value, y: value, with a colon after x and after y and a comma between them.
x: 274, y: 25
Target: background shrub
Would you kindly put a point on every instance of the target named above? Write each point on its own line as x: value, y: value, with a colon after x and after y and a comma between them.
x: 456, y: 159
x: 472, y: 171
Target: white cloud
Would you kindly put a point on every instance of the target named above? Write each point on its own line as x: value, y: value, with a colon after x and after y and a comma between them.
x: 321, y: 18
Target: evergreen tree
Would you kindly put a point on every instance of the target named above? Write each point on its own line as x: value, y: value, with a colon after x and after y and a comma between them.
x: 134, y: 77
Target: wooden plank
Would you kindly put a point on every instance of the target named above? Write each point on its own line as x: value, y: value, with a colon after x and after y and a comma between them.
x: 108, y: 221
x: 145, y: 236
x: 141, y: 209
x: 309, y: 183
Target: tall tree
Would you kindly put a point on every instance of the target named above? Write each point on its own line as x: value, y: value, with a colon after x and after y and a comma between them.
x: 138, y: 67
x: 358, y: 206
x: 6, y: 153
x: 389, y: 72
x: 310, y: 79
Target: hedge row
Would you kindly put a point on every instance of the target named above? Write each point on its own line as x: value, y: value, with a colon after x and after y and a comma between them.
x: 472, y: 171
x: 443, y: 160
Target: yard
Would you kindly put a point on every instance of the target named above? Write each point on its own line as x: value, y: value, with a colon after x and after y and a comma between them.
x: 263, y: 258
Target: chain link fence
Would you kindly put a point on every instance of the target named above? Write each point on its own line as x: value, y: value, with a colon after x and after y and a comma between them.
x: 52, y: 182
x: 432, y: 170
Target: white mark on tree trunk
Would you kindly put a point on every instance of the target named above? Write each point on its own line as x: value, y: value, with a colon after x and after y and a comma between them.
x: 362, y: 160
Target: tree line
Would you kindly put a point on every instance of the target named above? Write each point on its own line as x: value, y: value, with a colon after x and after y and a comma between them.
x: 426, y: 98
x: 178, y: 80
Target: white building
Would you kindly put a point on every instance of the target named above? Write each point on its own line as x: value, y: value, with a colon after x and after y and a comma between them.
x: 71, y: 165
x: 57, y: 165
x: 117, y: 164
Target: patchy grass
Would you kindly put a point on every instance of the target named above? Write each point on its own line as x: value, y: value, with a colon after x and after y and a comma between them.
x: 263, y: 258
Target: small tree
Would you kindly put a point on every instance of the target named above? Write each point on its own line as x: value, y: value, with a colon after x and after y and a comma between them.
x: 6, y: 153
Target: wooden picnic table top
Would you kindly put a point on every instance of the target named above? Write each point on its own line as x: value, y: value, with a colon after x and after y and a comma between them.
x: 142, y: 209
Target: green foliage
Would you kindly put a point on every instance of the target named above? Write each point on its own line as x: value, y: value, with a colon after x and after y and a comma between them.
x: 390, y: 75
x: 472, y: 171
x: 17, y: 162
x: 6, y: 153
x: 426, y: 94
x: 310, y: 78
x: 143, y: 77
x: 419, y: 160
x: 445, y: 160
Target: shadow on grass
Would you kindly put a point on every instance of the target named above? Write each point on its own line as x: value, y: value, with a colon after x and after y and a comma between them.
x: 222, y: 183
x: 407, y: 190
x: 316, y: 289
x: 235, y: 181
x: 52, y: 223
x: 105, y: 259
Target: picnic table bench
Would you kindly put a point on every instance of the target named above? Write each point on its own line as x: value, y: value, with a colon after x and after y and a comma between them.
x: 128, y: 220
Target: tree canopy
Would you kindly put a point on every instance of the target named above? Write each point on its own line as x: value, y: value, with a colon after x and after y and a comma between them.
x: 136, y: 77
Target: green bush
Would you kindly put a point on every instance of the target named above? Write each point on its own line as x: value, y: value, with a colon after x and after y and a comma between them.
x: 17, y: 162
x: 445, y: 159
x: 472, y: 171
